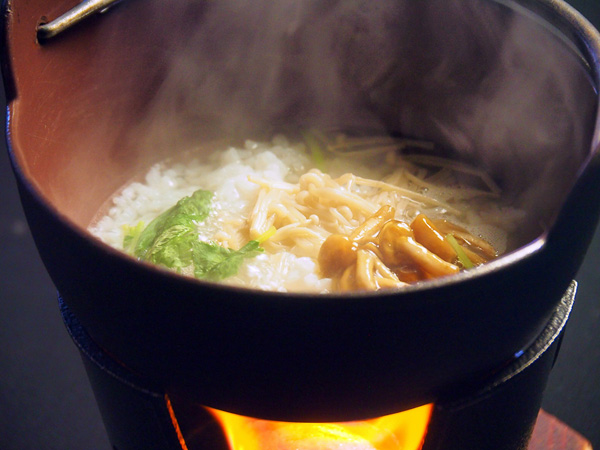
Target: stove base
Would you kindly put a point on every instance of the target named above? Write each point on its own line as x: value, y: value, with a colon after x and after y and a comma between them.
x: 497, y: 414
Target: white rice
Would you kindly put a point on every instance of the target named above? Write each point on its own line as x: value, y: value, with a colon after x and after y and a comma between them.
x: 226, y: 175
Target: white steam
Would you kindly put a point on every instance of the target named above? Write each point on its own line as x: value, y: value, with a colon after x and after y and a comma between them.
x: 474, y: 76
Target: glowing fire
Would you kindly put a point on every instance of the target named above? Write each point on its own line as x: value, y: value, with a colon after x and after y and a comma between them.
x: 402, y: 431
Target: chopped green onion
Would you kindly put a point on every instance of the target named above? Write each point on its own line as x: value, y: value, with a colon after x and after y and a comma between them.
x: 462, y: 256
x: 266, y: 235
x: 315, y: 148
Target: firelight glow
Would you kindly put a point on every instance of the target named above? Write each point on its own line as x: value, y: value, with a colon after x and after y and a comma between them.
x: 401, y: 431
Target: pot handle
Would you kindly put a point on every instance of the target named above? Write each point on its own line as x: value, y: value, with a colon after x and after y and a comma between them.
x: 75, y: 15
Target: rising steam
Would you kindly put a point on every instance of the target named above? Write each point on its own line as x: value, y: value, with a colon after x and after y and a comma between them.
x: 473, y: 76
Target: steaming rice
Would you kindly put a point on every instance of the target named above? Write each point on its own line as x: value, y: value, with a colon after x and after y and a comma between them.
x: 273, y: 190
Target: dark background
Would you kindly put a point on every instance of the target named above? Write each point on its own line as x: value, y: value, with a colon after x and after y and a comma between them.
x: 45, y: 398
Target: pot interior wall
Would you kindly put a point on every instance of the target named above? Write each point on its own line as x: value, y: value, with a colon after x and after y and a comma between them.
x: 147, y: 80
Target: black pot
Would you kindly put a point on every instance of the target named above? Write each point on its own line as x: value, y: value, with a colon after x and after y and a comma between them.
x: 509, y: 85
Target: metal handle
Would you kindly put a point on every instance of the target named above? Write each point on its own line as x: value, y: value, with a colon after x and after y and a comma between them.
x: 85, y: 9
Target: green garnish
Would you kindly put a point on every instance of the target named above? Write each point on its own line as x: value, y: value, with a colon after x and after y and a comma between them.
x: 316, y: 149
x: 266, y: 235
x: 132, y: 236
x: 213, y: 262
x: 460, y: 253
x: 171, y: 240
x: 168, y: 239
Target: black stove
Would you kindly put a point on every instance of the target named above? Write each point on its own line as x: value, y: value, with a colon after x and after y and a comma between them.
x: 497, y: 413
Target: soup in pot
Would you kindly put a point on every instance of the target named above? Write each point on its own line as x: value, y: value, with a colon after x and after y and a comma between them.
x: 326, y: 213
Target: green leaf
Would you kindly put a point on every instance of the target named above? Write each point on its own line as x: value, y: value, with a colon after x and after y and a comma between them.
x: 213, y: 262
x: 173, y: 247
x: 171, y: 240
x: 168, y: 239
x: 131, y: 236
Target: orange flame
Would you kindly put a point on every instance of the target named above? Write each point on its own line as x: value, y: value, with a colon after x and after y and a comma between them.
x: 401, y: 431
